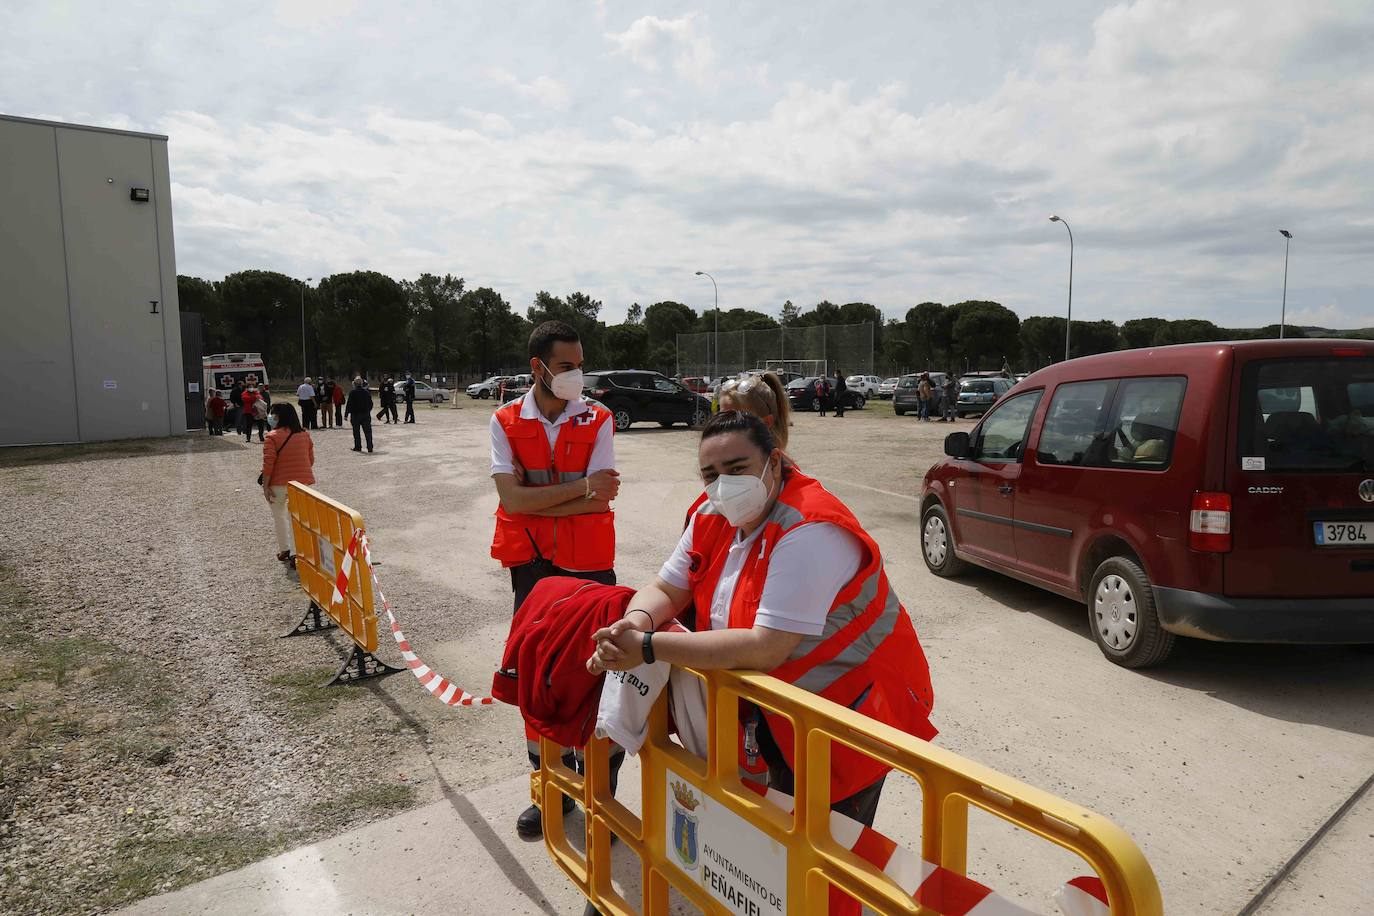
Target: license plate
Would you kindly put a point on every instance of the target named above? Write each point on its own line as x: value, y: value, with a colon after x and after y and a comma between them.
x: 1343, y: 534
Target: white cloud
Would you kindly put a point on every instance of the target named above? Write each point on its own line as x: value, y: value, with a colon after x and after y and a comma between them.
x: 545, y: 90
x: 1331, y: 315
x: 631, y: 130
x: 649, y: 40
x: 488, y: 122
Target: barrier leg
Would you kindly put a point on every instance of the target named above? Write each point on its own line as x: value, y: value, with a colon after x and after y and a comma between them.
x: 314, y: 620
x: 360, y: 666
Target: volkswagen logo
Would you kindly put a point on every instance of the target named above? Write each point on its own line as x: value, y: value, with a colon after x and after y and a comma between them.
x: 1367, y: 490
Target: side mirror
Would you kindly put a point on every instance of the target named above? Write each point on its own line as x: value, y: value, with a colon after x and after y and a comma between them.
x: 957, y: 445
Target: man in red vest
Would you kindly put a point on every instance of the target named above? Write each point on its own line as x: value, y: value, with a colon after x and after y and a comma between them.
x: 553, y: 461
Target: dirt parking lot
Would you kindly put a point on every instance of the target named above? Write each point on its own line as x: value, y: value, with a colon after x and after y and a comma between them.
x: 155, y: 731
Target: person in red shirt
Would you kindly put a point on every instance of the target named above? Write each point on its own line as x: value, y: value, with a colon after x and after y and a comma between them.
x: 215, y: 406
x: 250, y: 400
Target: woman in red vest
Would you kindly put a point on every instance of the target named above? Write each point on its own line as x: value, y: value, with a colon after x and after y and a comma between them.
x: 783, y: 580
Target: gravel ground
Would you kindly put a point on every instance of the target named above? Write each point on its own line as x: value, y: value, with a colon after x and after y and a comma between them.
x: 153, y: 728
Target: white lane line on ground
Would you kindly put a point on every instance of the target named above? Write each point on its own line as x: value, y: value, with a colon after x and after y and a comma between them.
x: 864, y: 486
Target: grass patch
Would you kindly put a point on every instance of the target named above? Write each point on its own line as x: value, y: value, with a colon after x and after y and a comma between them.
x: 86, y: 451
x: 303, y: 693
x: 144, y: 864
x: 365, y: 800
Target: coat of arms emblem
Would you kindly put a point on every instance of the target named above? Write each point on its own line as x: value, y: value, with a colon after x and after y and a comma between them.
x: 685, y: 802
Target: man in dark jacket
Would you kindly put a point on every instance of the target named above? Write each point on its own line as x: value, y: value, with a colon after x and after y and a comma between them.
x: 358, y: 408
x: 408, y: 386
x: 841, y: 390
x: 236, y: 402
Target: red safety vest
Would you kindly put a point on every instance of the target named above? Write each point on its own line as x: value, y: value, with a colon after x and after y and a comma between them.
x: 577, y: 542
x: 869, y: 658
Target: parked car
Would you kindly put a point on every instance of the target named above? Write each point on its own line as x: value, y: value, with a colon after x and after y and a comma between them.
x: 637, y: 395
x: 424, y: 391
x: 487, y: 388
x: 801, y: 394
x: 868, y: 384
x: 695, y: 384
x: 977, y: 395
x: 1222, y: 491
x: 887, y: 388
x: 515, y: 386
x: 905, y: 398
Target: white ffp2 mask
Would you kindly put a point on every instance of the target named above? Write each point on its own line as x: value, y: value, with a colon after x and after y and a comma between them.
x: 566, y: 386
x: 738, y: 497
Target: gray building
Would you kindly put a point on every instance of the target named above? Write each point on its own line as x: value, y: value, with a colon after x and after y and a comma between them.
x: 90, y: 334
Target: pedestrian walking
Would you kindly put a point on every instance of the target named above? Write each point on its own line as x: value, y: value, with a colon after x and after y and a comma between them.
x: 924, y: 392
x: 392, y: 396
x: 408, y: 387
x: 951, y: 398
x: 236, y: 404
x: 841, y: 392
x: 252, y: 417
x: 215, y: 407
x: 553, y: 464
x: 287, y: 454
x: 324, y: 400
x: 305, y: 396
x: 359, y: 412
x: 336, y: 397
x: 822, y: 394
x: 265, y: 393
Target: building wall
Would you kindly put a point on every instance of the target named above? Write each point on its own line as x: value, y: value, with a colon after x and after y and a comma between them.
x: 87, y: 360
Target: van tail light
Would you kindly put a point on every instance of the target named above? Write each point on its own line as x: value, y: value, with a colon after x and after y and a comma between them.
x: 1209, y: 524
x: 1349, y: 351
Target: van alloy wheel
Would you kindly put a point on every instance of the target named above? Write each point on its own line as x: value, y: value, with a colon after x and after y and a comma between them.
x: 1115, y: 612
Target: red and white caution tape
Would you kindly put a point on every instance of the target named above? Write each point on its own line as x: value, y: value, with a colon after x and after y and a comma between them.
x: 939, y: 888
x: 445, y: 690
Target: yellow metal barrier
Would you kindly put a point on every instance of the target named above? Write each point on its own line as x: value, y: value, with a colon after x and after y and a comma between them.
x: 322, y: 530
x: 796, y: 851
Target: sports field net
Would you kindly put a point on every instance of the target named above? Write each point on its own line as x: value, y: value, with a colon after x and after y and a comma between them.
x: 846, y: 347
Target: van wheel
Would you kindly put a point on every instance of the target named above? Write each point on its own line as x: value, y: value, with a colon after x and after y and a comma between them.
x: 1121, y: 612
x: 937, y: 543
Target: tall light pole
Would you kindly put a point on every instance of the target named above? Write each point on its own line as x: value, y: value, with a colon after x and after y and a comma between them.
x: 715, y: 347
x: 1068, y: 325
x: 307, y: 280
x: 1283, y: 313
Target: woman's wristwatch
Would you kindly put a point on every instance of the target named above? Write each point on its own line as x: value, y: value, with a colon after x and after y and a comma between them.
x: 649, y: 647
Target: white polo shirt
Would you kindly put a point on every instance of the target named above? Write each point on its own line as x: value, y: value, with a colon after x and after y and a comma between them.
x: 306, y: 392
x: 806, y: 571
x: 503, y: 460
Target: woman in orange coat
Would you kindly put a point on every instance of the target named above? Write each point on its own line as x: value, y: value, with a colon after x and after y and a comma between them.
x: 288, y: 454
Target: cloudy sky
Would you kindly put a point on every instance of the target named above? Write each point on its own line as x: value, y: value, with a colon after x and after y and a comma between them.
x: 893, y: 152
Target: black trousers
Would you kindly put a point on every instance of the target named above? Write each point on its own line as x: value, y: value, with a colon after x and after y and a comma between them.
x: 362, y: 425
x: 338, y: 414
x: 410, y: 410
x: 251, y: 422
x: 862, y: 806
x: 307, y: 414
x: 839, y: 404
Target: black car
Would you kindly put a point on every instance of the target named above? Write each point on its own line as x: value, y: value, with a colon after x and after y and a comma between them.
x: 802, y: 395
x: 637, y: 395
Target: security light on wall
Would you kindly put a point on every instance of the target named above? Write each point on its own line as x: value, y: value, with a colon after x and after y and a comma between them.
x: 141, y: 195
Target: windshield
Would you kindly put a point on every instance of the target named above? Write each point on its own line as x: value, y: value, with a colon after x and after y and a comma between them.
x: 977, y: 386
x: 1308, y: 415
x: 908, y: 381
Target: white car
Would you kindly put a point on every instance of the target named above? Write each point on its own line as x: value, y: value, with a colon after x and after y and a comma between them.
x: 888, y: 388
x: 488, y: 388
x: 424, y: 391
x: 867, y: 385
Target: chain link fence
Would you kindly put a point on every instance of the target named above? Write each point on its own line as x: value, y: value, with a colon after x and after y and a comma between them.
x: 847, y: 347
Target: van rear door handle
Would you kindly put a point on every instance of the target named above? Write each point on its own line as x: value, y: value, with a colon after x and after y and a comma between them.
x: 1005, y: 489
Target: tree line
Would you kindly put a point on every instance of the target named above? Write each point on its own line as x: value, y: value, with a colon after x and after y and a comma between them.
x: 367, y: 321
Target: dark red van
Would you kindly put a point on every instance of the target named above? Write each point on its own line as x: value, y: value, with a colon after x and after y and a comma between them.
x: 1223, y: 491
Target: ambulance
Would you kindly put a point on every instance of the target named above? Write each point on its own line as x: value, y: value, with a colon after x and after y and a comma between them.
x: 222, y: 370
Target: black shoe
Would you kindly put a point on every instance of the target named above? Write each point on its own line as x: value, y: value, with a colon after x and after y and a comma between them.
x: 530, y: 824
x: 369, y: 450
x: 355, y: 449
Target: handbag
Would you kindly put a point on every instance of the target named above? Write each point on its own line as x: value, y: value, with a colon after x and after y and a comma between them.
x: 278, y: 452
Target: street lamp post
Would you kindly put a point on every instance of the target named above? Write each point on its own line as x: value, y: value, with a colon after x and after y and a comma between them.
x: 307, y: 280
x: 1068, y: 325
x: 1283, y: 311
x: 715, y: 347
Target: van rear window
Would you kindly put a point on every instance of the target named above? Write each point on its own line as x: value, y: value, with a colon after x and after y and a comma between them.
x: 1308, y: 415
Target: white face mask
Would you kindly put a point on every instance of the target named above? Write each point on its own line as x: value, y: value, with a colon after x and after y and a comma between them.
x: 566, y: 386
x: 739, y: 497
